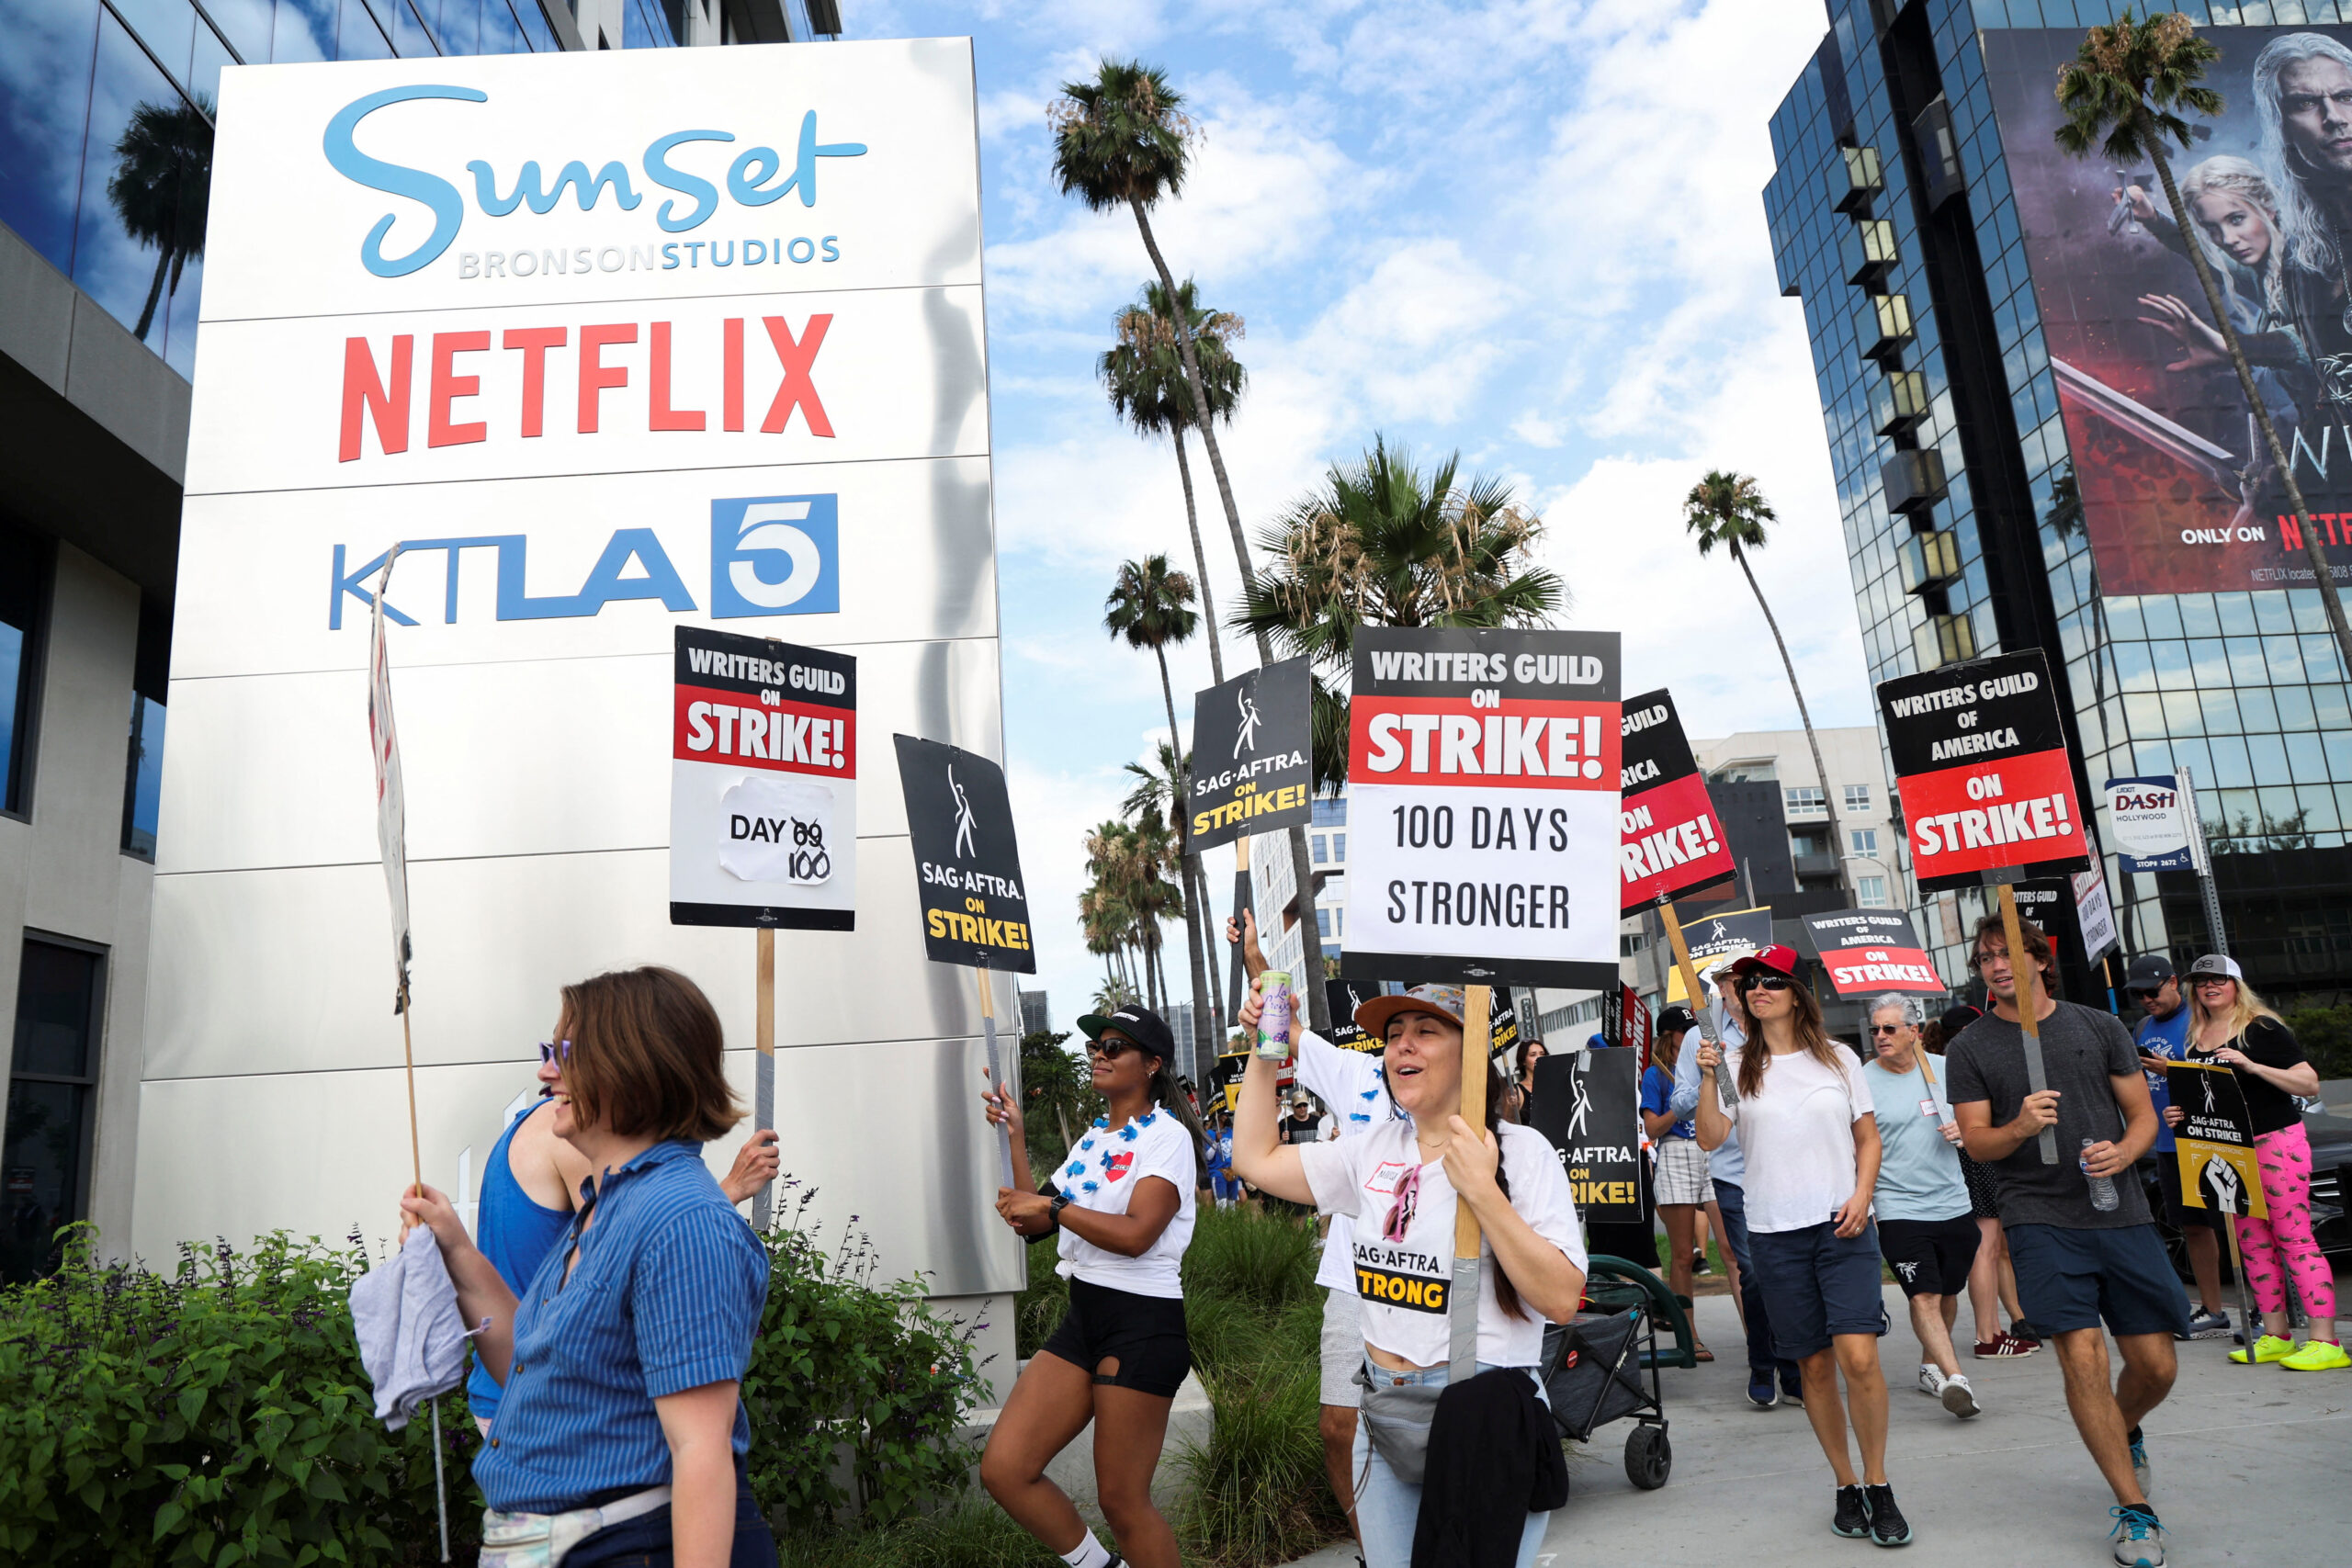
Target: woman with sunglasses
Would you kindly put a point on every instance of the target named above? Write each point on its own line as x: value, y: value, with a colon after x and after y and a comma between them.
x: 2229, y: 1024
x: 622, y: 1358
x: 1812, y: 1146
x: 1122, y: 1204
x: 1400, y: 1183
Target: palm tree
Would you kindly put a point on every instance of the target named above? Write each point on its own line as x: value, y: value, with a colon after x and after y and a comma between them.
x: 1163, y: 788
x: 1380, y: 543
x: 161, y: 186
x: 1729, y: 510
x: 1121, y: 140
x: 2119, y: 94
x: 1143, y: 373
x: 1150, y: 606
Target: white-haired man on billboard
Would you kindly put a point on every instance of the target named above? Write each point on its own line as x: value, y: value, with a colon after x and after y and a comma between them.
x: 2302, y: 90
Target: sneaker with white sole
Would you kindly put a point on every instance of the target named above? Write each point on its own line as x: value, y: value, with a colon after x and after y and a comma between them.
x: 1931, y: 1382
x: 2139, y: 1538
x: 1960, y: 1396
x: 2207, y: 1324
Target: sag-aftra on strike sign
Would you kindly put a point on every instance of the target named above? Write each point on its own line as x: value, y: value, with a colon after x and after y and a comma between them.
x: 1483, y: 766
x: 1980, y: 757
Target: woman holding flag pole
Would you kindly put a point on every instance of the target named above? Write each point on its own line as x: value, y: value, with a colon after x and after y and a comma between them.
x: 1401, y: 1183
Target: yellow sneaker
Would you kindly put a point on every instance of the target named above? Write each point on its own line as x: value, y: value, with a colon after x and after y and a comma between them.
x: 2269, y: 1348
x: 2317, y: 1356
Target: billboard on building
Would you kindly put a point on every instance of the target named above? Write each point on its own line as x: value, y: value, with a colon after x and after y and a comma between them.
x: 615, y: 344
x: 2172, y: 483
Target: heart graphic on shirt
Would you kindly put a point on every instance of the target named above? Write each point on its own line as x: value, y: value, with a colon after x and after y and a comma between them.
x: 1118, y: 1165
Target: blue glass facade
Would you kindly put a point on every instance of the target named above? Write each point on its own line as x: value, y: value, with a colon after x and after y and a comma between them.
x: 1891, y: 218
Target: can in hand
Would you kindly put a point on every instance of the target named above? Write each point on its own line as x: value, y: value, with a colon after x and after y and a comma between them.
x: 1275, y: 1022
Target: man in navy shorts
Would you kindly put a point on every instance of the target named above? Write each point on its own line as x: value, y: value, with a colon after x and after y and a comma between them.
x: 2083, y: 1253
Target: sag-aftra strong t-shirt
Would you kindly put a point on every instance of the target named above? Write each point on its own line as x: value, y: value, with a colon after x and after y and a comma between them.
x: 1403, y: 1280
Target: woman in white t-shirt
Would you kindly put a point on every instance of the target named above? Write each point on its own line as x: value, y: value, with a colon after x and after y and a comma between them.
x: 1399, y: 1182
x: 1122, y: 1206
x: 1811, y: 1148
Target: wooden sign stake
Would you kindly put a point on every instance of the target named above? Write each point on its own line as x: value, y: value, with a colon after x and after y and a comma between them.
x: 763, y: 1063
x: 1462, y: 1306
x: 1700, y: 1009
x: 2028, y: 976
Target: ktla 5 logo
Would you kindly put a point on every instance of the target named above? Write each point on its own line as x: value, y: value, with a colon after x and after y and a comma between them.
x: 775, y: 555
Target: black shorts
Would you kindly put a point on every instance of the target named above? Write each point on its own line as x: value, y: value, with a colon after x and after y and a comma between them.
x: 2179, y: 1214
x: 2070, y: 1279
x: 1931, y: 1257
x: 1817, y: 1286
x: 1143, y: 1334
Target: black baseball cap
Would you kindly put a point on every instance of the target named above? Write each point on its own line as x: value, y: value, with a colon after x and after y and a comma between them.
x: 1960, y: 1018
x: 2148, y: 972
x: 1140, y: 1024
x: 1677, y: 1020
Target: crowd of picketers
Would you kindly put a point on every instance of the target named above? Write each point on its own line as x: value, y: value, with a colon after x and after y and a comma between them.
x: 614, y: 1290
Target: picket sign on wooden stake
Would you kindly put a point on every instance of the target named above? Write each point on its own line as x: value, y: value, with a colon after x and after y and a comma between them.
x: 996, y: 1074
x: 1698, y: 1005
x: 764, y: 1064
x: 2028, y: 990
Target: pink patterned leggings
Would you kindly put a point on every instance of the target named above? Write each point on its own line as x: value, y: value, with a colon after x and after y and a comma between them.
x: 2284, y: 1240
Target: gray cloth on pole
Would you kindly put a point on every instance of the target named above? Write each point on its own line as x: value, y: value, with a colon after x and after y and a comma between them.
x: 411, y: 1337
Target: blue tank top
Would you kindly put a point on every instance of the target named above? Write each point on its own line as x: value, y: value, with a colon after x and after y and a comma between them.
x: 515, y: 1232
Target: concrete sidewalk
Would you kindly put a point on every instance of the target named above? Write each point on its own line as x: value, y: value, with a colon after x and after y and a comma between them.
x: 2251, y: 1467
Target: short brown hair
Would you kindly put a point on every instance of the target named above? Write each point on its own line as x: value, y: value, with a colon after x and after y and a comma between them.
x: 647, y: 1056
x: 2036, y: 940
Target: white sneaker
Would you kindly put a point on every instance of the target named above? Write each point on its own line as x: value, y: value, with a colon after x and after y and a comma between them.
x: 1959, y: 1395
x: 1931, y: 1382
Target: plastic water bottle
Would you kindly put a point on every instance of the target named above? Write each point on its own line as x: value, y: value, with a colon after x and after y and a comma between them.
x: 2103, y: 1195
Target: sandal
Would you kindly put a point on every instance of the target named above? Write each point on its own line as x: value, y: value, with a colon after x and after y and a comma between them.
x: 1701, y: 1353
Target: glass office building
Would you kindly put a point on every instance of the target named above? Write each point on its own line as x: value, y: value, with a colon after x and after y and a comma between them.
x: 1933, y: 289
x: 106, y: 139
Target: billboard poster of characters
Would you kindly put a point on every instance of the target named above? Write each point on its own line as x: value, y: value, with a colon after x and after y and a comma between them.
x: 2176, y: 487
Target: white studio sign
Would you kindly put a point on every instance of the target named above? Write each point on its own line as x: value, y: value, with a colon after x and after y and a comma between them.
x: 618, y: 348
x: 2150, y: 823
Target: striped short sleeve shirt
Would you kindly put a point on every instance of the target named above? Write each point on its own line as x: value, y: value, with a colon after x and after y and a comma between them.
x: 666, y: 1297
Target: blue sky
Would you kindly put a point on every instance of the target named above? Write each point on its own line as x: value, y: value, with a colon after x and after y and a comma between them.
x: 1530, y: 232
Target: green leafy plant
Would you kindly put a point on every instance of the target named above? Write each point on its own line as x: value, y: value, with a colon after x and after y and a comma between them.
x: 217, y: 1416
x: 856, y: 1390
x: 2325, y: 1035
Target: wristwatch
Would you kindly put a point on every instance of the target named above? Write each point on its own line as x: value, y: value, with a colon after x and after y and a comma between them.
x: 1054, y: 1210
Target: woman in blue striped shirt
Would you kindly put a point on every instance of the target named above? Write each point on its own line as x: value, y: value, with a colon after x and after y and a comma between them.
x: 622, y: 1427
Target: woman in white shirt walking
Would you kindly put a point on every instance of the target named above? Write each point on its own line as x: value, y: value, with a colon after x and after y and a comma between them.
x: 1400, y: 1182
x: 1813, y: 1152
x: 1124, y: 1209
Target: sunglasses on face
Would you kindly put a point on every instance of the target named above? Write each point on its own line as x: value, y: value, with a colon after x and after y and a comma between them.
x: 1111, y: 1047
x: 1886, y: 1029
x: 2211, y: 981
x: 1768, y: 983
x: 555, y: 1051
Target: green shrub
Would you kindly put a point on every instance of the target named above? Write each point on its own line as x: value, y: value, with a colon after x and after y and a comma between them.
x: 974, y: 1533
x: 1253, y: 1257
x: 1043, y: 1303
x: 1256, y: 1491
x: 842, y: 1366
x: 218, y: 1415
x: 2325, y: 1035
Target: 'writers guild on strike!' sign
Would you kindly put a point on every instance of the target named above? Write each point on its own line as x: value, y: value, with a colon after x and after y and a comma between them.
x: 763, y: 783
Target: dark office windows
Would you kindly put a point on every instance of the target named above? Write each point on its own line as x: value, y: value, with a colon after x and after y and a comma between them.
x: 53, y: 1085
x: 143, y: 775
x: 24, y: 593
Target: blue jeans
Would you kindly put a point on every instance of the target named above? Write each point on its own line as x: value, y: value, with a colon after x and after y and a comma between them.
x: 1387, y: 1509
x: 1731, y: 1201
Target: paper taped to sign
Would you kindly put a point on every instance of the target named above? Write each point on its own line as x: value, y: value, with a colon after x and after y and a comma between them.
x: 779, y: 830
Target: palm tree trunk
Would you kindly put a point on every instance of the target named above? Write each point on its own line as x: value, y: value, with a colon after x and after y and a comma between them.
x: 155, y: 293
x: 2313, y: 549
x: 1828, y: 790
x: 1190, y: 861
x: 1200, y: 560
x: 1318, y: 1011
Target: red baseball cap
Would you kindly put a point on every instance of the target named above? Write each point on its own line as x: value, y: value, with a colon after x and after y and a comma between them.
x: 1778, y: 959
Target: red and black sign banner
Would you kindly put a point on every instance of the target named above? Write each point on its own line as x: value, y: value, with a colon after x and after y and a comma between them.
x: 1870, y: 951
x: 1673, y: 842
x: 1980, y: 758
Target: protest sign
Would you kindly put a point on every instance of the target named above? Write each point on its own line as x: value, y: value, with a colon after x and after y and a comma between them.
x: 763, y: 783
x: 1870, y: 951
x: 1345, y: 995
x: 2214, y: 1142
x: 1672, y: 841
x: 2151, y: 824
x: 1735, y: 931
x: 1484, y: 767
x: 1588, y: 1104
x: 1251, y: 772
x: 1626, y: 1021
x: 1988, y: 793
x: 2093, y: 915
x: 1981, y: 761
x: 968, y: 877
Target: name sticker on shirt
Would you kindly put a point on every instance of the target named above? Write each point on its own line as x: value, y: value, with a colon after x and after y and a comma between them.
x: 1927, y: 1109
x: 1401, y: 1277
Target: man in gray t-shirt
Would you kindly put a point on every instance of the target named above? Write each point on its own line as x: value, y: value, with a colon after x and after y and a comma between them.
x: 2077, y: 1265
